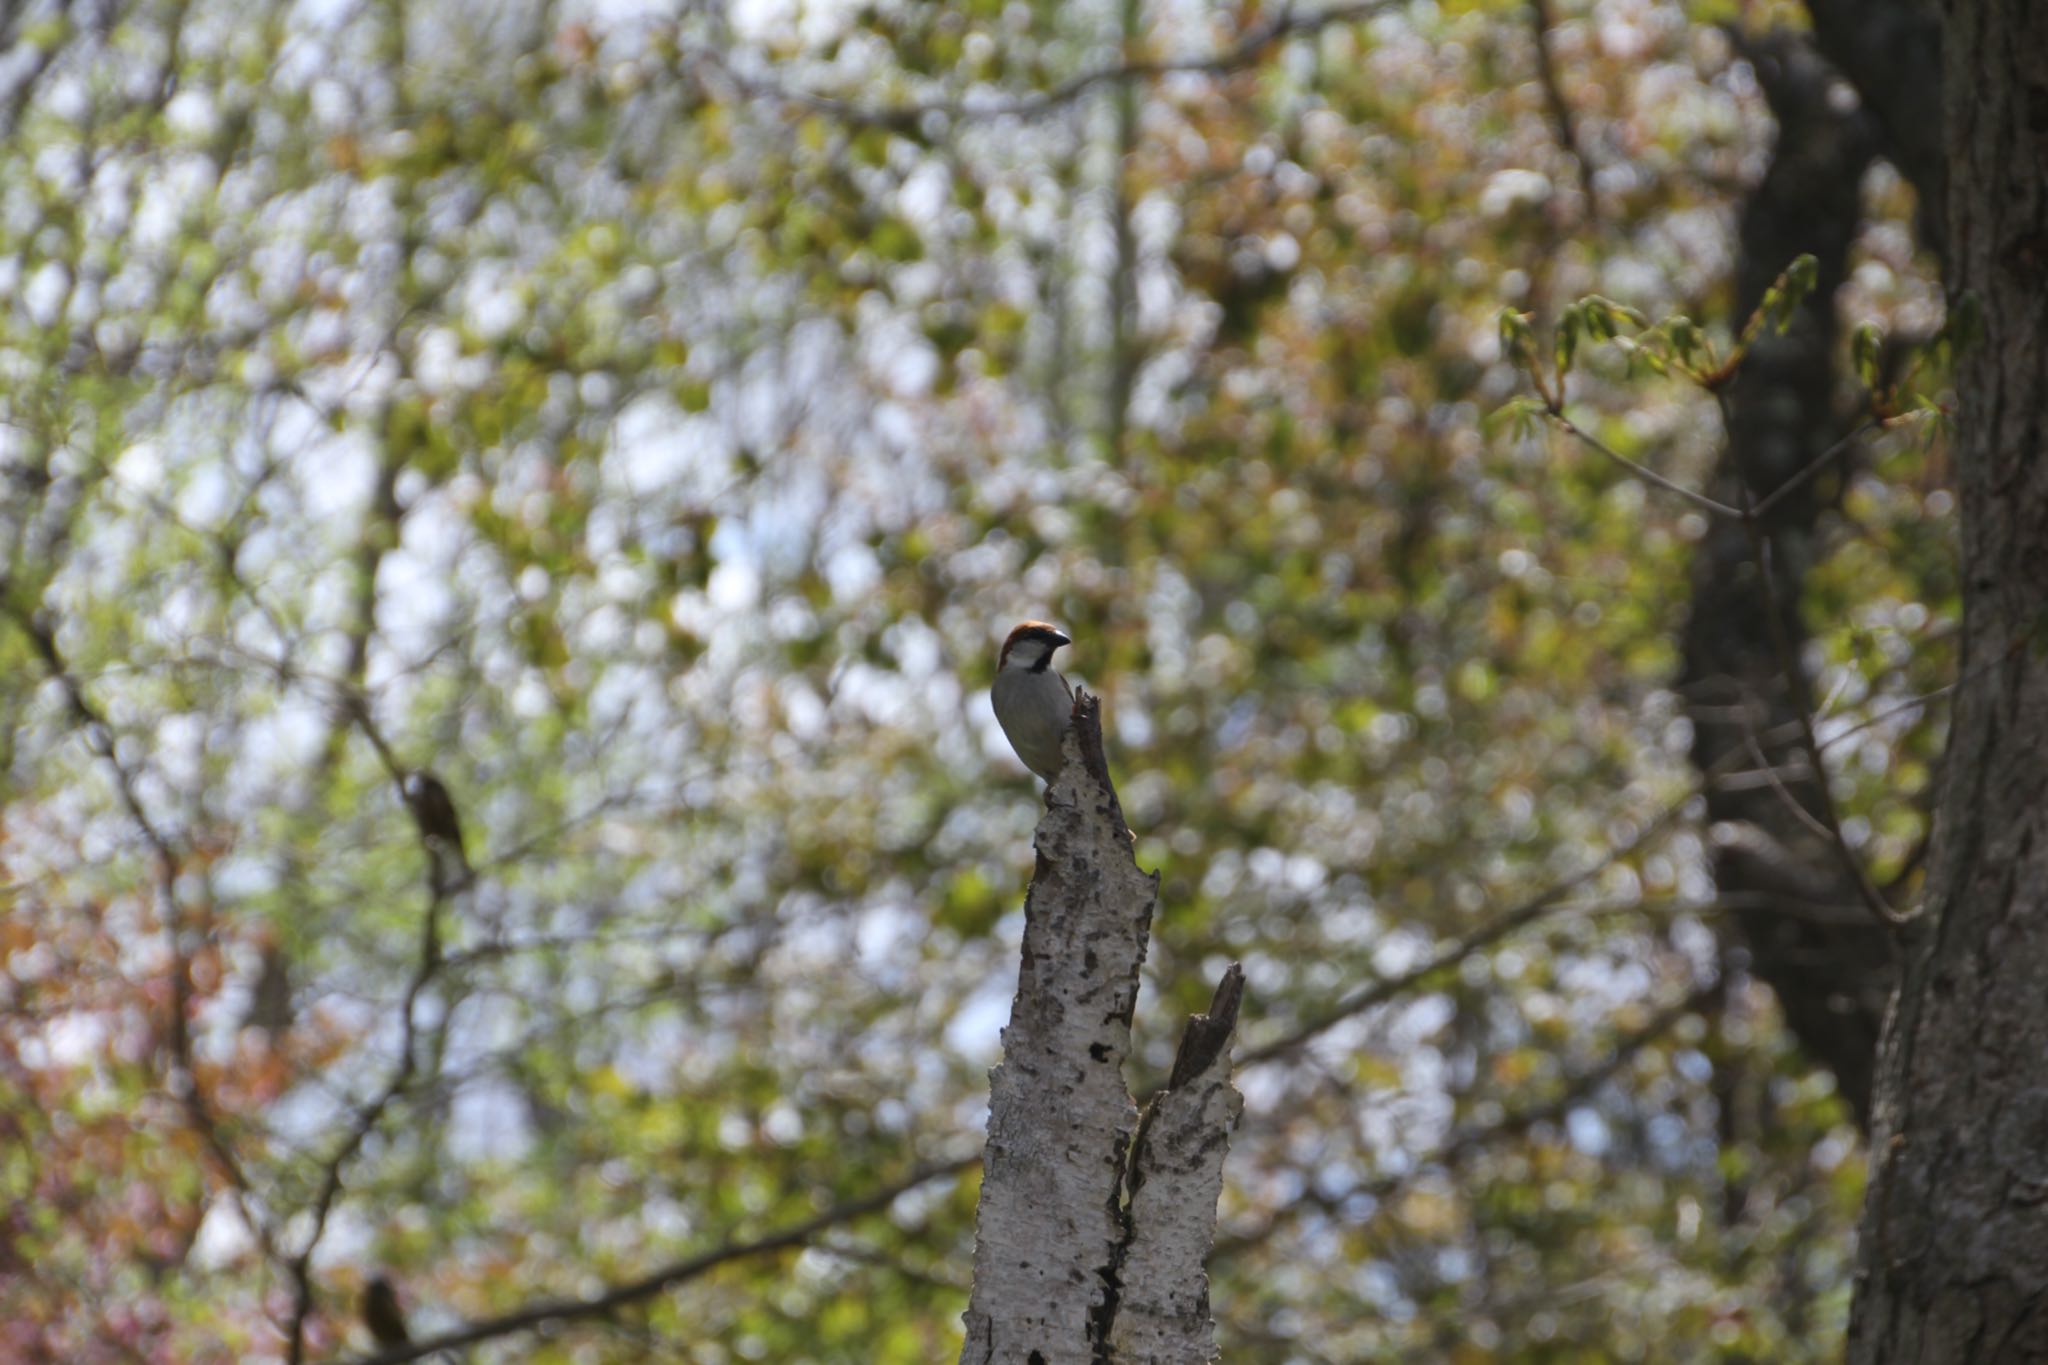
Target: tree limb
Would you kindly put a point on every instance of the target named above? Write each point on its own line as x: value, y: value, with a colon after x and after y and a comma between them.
x: 906, y: 117
x: 549, y: 1312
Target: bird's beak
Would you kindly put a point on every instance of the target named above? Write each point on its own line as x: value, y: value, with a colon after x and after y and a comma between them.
x: 1059, y: 639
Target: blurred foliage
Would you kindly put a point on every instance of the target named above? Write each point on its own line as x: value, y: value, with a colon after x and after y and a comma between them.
x: 650, y: 419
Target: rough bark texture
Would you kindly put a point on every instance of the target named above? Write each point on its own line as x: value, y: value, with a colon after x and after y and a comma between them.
x: 1794, y: 911
x: 1176, y: 1173
x: 1060, y: 1256
x: 1954, y: 1251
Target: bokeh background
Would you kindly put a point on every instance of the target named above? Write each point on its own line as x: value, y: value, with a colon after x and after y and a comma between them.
x: 649, y: 419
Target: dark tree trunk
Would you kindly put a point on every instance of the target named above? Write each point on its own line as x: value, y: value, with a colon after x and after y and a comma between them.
x: 1795, y: 917
x: 1954, y: 1251
x: 1890, y: 50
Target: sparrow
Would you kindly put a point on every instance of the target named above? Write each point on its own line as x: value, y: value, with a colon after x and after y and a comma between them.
x: 382, y: 1315
x: 433, y: 810
x: 270, y: 1000
x: 1033, y: 703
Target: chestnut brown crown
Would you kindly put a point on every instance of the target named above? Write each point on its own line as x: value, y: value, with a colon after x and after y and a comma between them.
x: 1033, y: 642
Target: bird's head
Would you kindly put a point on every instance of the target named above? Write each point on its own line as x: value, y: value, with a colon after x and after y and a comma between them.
x: 1030, y: 647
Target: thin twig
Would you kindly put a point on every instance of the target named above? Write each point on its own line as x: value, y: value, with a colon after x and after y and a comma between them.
x: 1465, y: 1141
x: 1575, y: 1090
x: 1914, y: 703
x: 1286, y: 23
x: 1805, y: 817
x: 1546, y: 902
x: 1813, y: 467
x: 551, y: 1311
x: 1644, y: 472
x: 366, y: 1120
x: 1542, y: 21
x: 1701, y: 500
x: 895, y: 1265
x: 183, y: 1079
x: 1795, y: 683
x: 430, y: 961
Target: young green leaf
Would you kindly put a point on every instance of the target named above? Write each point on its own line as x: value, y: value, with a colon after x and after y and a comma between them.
x: 1864, y: 350
x: 1568, y: 329
x: 1517, y: 339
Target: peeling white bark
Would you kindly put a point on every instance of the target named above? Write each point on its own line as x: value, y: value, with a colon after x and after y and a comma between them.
x: 1053, y: 1234
x: 1176, y: 1173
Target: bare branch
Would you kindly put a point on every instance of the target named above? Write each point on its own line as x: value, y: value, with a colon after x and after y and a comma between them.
x: 551, y: 1311
x: 1546, y: 902
x: 1575, y: 1091
x: 1466, y: 1141
x: 1541, y: 19
x: 1249, y: 48
x: 1644, y: 472
x: 1813, y: 467
x: 432, y: 821
x: 183, y: 1081
x: 1795, y: 681
x: 1806, y: 818
x: 368, y: 1116
x: 1701, y: 500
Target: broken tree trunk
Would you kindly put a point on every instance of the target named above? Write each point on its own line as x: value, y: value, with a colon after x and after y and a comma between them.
x: 1094, y: 1224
